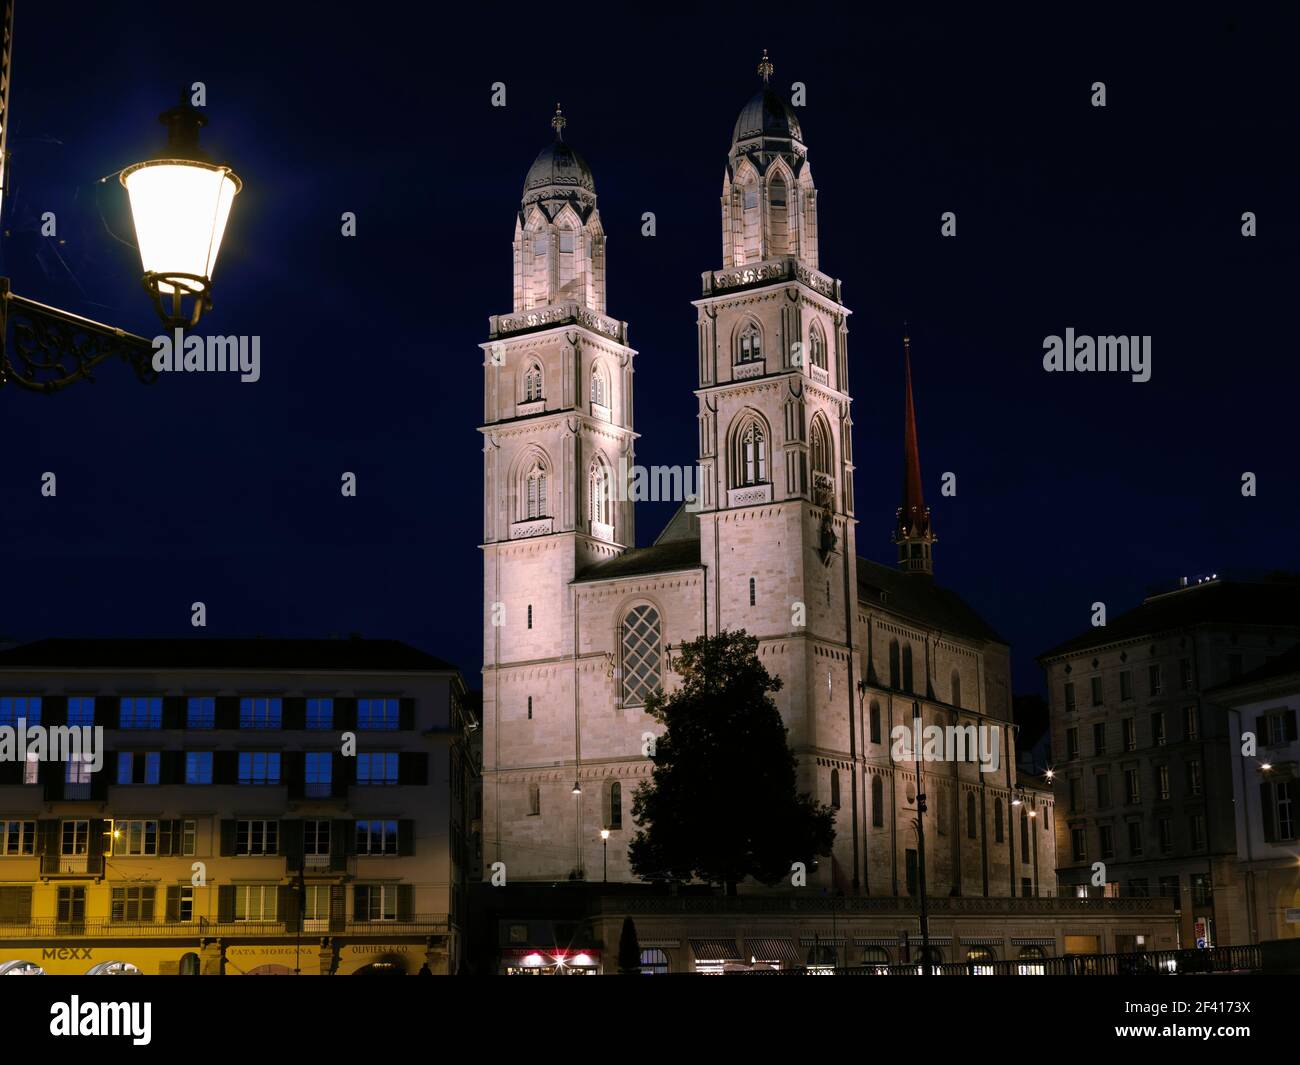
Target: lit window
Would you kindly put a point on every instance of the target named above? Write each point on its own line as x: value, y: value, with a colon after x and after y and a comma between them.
x: 259, y: 767
x: 376, y: 837
x: 81, y: 711
x: 377, y: 768
x: 320, y: 713
x: 259, y: 713
x: 377, y: 714
x: 317, y: 771
x: 641, y: 654
x: 16, y: 707
x: 198, y: 767
x: 140, y: 712
x: 200, y: 711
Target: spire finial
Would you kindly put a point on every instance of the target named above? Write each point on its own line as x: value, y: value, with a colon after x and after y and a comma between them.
x: 765, y: 67
x: 558, y: 122
x: 907, y: 341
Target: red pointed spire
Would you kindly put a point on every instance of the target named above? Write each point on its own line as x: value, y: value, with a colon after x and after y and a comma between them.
x: 913, y: 526
x: 914, y: 515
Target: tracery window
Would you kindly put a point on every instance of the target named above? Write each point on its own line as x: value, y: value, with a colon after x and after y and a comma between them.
x: 640, y: 643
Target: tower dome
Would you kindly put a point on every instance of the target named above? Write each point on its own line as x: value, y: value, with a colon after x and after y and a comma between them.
x: 766, y: 116
x: 559, y: 172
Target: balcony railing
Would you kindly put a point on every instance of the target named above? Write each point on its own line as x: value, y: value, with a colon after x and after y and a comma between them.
x: 202, y: 927
x: 80, y: 865
x: 1239, y: 959
x: 903, y: 905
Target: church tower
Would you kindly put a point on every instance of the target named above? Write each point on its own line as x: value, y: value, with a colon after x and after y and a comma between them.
x: 777, y: 532
x: 557, y: 421
x: 913, y: 532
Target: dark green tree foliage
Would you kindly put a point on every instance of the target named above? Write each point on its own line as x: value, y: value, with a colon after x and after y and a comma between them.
x: 629, y: 950
x: 721, y: 804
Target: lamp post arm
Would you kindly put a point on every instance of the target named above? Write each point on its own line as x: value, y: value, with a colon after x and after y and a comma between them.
x: 45, y: 349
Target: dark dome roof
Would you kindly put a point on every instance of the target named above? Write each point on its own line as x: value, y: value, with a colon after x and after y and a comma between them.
x: 766, y: 115
x: 558, y: 168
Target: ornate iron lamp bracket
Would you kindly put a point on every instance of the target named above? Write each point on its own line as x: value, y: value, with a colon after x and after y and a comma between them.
x: 45, y: 349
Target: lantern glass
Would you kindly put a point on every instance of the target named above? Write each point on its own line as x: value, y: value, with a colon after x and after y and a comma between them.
x: 180, y: 210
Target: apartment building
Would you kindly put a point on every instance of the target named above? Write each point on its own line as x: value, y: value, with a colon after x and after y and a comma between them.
x: 256, y: 807
x: 1142, y: 758
x: 1261, y: 708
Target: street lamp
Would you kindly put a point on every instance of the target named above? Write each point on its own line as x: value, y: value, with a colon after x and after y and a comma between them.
x: 180, y: 202
x: 604, y: 836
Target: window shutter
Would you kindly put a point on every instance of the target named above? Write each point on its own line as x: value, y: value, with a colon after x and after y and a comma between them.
x: 293, y: 711
x: 225, y: 901
x: 338, y: 907
x: 171, y: 769
x: 99, y: 781
x: 1267, y: 811
x: 360, y: 895
x: 404, y: 898
x: 293, y: 770
x: 287, y: 906
x: 54, y: 710
x: 95, y: 844
x: 47, y: 836
x: 225, y: 767
x: 345, y: 714
x: 226, y: 711
x: 15, y: 905
x: 173, y: 902
x: 291, y: 843
x: 406, y: 837
x: 342, y: 844
x: 166, y: 838
x: 51, y: 774
x: 406, y: 714
x: 343, y: 771
x: 174, y: 711
x: 413, y: 767
x: 11, y: 772
x: 1290, y: 726
x: 227, y: 838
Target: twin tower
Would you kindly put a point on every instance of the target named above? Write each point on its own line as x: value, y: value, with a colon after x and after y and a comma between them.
x: 579, y: 623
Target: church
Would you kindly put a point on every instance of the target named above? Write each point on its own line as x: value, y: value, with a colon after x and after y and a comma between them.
x: 579, y: 624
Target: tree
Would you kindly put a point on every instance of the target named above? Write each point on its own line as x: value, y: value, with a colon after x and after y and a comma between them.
x: 629, y: 950
x: 721, y: 804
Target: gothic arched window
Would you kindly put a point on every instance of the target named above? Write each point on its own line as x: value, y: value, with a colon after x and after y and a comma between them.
x: 822, y: 460
x: 751, y: 227
x: 749, y: 344
x: 907, y: 668
x: 749, y: 454
x: 599, y: 387
x: 817, y: 346
x: 641, y: 652
x: 616, y: 805
x: 778, y: 215
x: 532, y: 383
x: 598, y: 492
x: 893, y: 664
x: 835, y: 788
x: 877, y: 803
x: 534, y: 800
x: 535, y: 490
x: 875, y: 722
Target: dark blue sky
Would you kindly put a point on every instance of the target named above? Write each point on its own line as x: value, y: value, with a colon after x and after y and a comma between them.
x: 1071, y: 488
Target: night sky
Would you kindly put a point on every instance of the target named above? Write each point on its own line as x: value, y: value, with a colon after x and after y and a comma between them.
x: 1071, y: 487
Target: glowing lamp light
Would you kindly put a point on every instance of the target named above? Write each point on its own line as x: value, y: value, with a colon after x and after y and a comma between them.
x: 581, y: 959
x: 604, y: 833
x: 180, y: 203
x: 533, y: 960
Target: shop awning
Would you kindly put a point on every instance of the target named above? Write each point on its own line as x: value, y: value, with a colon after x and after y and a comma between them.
x: 782, y: 950
x: 715, y: 950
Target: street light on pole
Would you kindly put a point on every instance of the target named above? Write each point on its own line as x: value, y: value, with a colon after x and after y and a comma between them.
x: 917, y: 724
x: 604, y: 836
x: 180, y: 204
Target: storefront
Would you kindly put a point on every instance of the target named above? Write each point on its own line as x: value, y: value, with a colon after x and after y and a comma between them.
x: 120, y: 958
x: 530, y: 962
